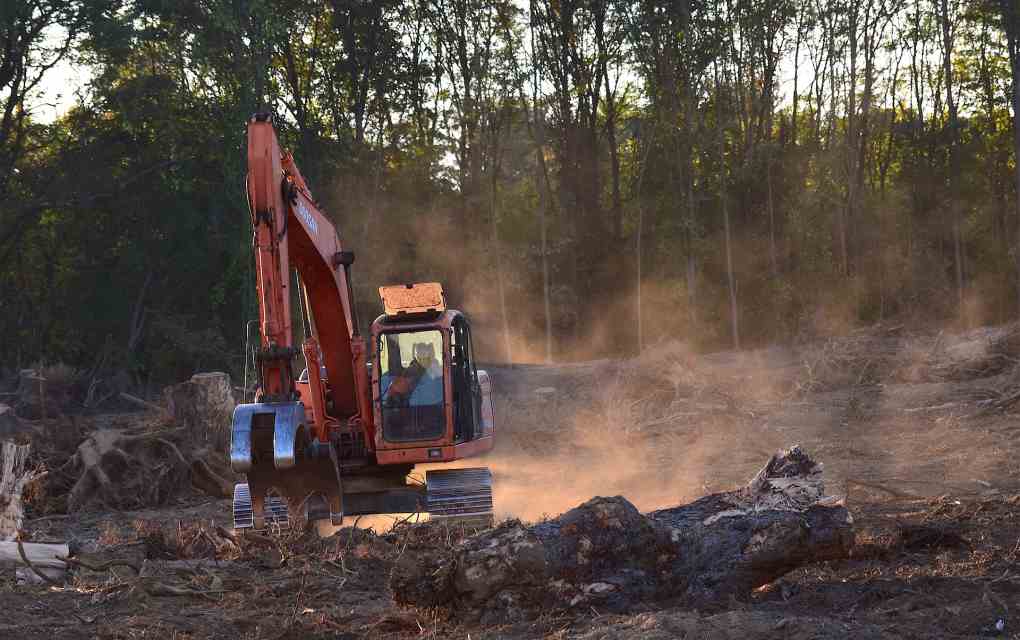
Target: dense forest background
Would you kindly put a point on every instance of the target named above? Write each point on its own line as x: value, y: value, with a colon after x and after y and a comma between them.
x: 586, y: 178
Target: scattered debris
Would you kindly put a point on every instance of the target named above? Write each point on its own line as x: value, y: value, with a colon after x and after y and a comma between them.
x: 935, y: 551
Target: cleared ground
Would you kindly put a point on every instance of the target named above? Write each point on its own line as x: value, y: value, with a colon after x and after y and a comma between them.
x: 916, y: 433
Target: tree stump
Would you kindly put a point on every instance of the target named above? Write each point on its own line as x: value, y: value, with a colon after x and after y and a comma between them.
x: 606, y: 554
x: 15, y: 475
x: 204, y: 407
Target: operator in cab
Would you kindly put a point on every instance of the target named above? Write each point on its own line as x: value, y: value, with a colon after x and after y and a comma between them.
x: 420, y: 383
x: 429, y: 390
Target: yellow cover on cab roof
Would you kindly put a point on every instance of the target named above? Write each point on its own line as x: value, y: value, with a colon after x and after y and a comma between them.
x: 423, y: 297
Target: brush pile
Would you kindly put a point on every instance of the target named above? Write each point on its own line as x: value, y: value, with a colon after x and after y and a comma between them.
x: 141, y: 459
x: 878, y: 356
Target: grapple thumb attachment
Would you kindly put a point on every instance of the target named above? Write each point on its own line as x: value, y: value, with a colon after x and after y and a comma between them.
x: 266, y: 434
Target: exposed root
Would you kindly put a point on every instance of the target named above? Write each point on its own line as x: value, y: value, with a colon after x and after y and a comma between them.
x: 118, y: 469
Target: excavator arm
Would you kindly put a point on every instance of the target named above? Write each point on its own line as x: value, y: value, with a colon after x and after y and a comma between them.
x: 290, y: 231
x: 314, y: 442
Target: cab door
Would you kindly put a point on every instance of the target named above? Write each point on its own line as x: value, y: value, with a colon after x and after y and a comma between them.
x: 467, y: 392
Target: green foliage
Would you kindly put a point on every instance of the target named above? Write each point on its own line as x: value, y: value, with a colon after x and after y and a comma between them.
x: 445, y: 136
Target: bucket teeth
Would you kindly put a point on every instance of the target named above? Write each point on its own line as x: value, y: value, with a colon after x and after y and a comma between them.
x: 461, y: 494
x: 276, y: 514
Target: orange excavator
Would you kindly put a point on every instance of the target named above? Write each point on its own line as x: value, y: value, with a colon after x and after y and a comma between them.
x: 342, y: 437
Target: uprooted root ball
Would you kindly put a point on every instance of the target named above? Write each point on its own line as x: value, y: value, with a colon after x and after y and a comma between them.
x: 121, y: 469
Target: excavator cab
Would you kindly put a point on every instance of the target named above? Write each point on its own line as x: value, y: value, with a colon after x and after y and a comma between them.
x: 432, y: 404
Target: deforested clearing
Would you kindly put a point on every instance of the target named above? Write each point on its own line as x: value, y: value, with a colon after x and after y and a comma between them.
x: 924, y: 464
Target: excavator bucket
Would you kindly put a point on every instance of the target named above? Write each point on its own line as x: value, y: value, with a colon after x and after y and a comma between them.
x: 265, y: 431
x: 266, y: 441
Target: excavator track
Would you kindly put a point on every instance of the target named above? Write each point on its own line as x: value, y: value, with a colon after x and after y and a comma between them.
x: 459, y: 495
x: 276, y: 512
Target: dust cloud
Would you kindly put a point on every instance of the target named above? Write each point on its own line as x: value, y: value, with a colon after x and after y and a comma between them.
x: 876, y: 407
x: 660, y: 430
x: 670, y: 425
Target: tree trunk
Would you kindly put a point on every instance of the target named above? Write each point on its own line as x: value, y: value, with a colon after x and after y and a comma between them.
x: 545, y: 195
x: 640, y: 234
x: 498, y: 254
x: 724, y: 204
x: 954, y: 207
x: 1011, y: 24
x: 614, y: 157
x: 796, y: 76
x: 849, y: 217
x: 607, y: 555
x: 773, y: 254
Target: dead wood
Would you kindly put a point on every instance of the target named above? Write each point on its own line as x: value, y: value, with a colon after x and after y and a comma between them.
x: 606, y: 554
x: 40, y: 554
x: 119, y: 469
x: 102, y: 566
x: 35, y: 562
x: 38, y: 572
x: 151, y: 466
x: 15, y: 476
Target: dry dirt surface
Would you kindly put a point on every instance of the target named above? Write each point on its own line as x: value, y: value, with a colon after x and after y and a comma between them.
x: 917, y: 434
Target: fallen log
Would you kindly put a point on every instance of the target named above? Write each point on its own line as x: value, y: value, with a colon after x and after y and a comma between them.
x: 42, y: 555
x: 606, y: 554
x: 35, y: 563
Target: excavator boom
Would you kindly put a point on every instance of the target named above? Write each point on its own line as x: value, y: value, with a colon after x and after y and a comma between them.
x: 291, y: 231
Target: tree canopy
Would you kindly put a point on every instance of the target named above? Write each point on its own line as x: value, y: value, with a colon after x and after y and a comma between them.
x: 585, y: 177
